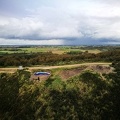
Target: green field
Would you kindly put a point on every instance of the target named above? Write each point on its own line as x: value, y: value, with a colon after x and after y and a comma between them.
x: 53, y: 49
x: 56, y: 55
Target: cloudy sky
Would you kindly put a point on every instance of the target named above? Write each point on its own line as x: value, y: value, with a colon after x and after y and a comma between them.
x: 59, y: 22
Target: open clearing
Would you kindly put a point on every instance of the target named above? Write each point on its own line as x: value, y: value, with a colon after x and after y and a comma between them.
x: 12, y: 70
x: 68, y: 73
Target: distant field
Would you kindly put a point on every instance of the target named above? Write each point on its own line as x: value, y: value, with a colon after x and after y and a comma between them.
x: 10, y: 52
x: 57, y: 50
x: 53, y: 49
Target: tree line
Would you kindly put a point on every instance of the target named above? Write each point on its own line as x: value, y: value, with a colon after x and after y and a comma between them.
x: 49, y: 58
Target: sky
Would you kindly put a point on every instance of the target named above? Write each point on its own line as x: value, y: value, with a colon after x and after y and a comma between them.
x: 59, y: 22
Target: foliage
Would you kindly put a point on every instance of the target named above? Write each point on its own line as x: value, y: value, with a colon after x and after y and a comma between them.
x: 86, y: 96
x: 48, y: 58
x: 115, y: 91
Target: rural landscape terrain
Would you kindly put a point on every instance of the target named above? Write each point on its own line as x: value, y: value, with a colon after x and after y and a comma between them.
x: 59, y: 59
x: 84, y: 82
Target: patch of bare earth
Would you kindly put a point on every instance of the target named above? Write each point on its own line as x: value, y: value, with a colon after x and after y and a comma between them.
x: 39, y: 77
x: 66, y: 74
x: 7, y: 70
x: 100, y: 69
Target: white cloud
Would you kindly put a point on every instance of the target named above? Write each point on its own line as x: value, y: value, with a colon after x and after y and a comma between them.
x: 30, y: 42
x: 64, y: 20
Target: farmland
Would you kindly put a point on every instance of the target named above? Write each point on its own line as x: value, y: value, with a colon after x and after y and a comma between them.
x: 73, y: 56
x: 53, y: 49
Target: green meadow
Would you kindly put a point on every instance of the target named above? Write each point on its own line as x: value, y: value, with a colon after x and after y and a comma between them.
x: 53, y: 49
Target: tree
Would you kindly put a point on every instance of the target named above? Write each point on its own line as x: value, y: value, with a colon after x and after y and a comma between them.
x: 115, y: 91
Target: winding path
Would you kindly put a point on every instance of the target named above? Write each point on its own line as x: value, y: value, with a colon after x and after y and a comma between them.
x: 12, y: 70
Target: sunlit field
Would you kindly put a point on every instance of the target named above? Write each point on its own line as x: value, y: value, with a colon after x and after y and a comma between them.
x: 53, y: 49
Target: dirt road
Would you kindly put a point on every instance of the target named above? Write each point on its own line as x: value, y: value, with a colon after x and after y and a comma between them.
x: 12, y: 70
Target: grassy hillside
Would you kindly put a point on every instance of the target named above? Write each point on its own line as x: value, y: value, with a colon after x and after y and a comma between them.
x: 83, y: 96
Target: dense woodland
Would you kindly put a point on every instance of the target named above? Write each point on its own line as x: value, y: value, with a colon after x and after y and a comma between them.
x: 48, y: 58
x: 83, y: 97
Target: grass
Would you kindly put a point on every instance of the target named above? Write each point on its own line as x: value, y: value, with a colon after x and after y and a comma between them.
x: 53, y: 49
x: 59, y: 50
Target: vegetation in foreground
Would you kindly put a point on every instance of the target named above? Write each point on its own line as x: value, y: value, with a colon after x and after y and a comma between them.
x: 85, y: 96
